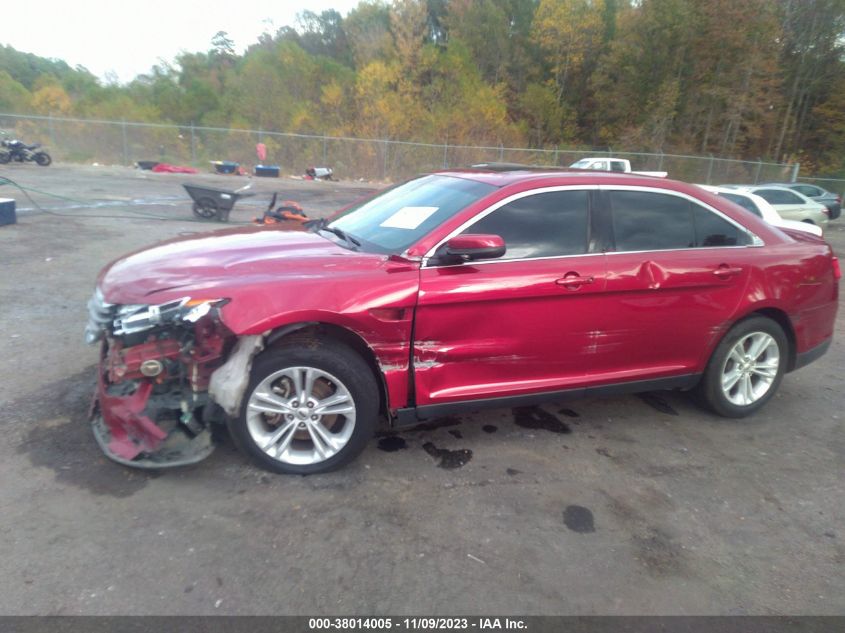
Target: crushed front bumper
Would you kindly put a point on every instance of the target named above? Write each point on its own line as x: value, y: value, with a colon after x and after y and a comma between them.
x: 128, y: 435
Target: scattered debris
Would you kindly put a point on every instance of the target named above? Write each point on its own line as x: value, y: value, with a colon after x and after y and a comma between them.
x: 319, y: 173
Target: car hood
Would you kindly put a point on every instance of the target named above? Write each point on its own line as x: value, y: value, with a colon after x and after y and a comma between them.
x: 220, y: 262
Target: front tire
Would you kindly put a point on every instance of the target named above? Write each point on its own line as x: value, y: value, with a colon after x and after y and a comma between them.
x: 307, y: 409
x: 43, y: 159
x: 205, y: 208
x: 746, y: 368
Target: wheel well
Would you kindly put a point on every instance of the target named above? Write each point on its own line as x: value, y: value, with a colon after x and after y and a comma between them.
x: 308, y: 332
x: 782, y: 319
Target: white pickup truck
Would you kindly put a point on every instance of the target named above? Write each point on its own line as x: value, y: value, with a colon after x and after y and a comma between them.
x: 613, y: 164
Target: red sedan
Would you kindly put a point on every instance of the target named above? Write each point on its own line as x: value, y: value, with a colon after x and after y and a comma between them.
x: 451, y: 292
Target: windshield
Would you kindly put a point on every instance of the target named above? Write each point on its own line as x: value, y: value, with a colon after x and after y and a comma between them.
x: 398, y: 217
x: 581, y: 164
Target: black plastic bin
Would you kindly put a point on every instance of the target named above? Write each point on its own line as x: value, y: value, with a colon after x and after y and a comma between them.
x: 268, y: 171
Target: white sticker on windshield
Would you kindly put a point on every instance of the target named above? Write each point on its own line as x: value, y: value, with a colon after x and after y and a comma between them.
x: 408, y: 217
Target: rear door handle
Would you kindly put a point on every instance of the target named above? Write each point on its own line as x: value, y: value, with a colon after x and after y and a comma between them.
x: 725, y: 272
x: 573, y: 280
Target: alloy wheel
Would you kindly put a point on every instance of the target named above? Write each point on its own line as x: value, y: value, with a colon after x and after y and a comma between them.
x: 750, y: 368
x: 300, y: 415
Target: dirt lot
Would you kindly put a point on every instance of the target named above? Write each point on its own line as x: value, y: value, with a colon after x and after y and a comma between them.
x: 627, y: 505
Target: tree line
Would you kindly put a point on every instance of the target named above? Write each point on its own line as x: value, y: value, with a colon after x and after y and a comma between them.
x: 741, y: 78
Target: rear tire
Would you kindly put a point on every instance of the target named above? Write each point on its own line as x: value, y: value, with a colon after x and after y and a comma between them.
x: 746, y: 368
x: 5, y: 158
x: 284, y: 432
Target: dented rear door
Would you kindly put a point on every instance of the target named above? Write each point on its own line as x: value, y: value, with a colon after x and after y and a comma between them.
x: 677, y: 275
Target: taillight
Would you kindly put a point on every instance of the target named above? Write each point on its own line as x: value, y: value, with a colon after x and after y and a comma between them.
x: 837, y: 272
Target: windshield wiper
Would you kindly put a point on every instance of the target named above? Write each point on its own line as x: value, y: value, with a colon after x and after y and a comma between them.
x: 323, y: 225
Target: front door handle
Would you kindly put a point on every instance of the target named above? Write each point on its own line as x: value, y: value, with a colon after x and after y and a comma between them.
x: 573, y: 281
x: 726, y: 272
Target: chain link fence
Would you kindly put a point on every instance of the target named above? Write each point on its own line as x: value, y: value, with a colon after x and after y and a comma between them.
x: 124, y: 143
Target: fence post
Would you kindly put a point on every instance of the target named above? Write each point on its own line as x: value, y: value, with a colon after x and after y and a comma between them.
x: 709, y: 169
x: 660, y: 163
x: 193, y: 144
x: 501, y: 152
x: 384, y: 163
x: 125, y: 144
x: 325, y: 150
x: 557, y: 157
x: 795, y: 168
x: 757, y: 171
x: 446, y: 155
x: 52, y: 134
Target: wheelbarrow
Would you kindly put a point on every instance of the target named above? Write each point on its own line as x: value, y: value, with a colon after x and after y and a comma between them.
x: 211, y: 203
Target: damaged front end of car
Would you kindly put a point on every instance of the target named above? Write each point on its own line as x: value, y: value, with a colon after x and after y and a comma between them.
x: 152, y: 407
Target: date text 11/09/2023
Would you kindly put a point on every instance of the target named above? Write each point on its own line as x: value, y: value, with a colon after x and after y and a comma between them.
x: 417, y: 623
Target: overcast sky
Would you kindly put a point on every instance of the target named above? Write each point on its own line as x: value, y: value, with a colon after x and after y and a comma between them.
x: 128, y: 37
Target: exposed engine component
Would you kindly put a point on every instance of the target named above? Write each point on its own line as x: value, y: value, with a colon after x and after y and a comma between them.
x: 154, y: 377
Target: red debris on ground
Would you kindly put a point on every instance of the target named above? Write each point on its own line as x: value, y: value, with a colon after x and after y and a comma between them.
x: 167, y: 168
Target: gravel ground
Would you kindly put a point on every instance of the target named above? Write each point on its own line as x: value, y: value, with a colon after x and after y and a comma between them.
x: 626, y: 505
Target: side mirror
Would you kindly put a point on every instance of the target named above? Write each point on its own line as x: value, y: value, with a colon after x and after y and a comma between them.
x: 466, y: 248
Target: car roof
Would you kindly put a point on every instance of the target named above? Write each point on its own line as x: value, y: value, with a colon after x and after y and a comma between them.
x: 503, y: 174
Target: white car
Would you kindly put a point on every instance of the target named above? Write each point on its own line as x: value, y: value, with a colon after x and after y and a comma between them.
x: 759, y: 207
x: 792, y: 205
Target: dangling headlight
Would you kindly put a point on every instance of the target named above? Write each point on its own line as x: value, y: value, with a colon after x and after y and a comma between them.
x: 137, y: 318
x: 130, y: 319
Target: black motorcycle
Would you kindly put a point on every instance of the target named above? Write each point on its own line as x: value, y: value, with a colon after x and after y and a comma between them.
x: 19, y: 151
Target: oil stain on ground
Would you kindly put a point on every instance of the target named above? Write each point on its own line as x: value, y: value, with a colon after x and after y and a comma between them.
x: 489, y: 428
x: 392, y: 443
x: 456, y: 433
x: 658, y: 402
x: 537, y: 418
x: 569, y: 413
x: 448, y: 459
x: 579, y: 519
x: 60, y: 438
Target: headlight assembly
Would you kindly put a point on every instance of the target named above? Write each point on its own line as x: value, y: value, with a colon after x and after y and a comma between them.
x: 130, y: 319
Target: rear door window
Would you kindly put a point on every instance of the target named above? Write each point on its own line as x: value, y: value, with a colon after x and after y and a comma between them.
x: 713, y: 230
x: 617, y: 165
x: 645, y: 221
x: 548, y: 224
